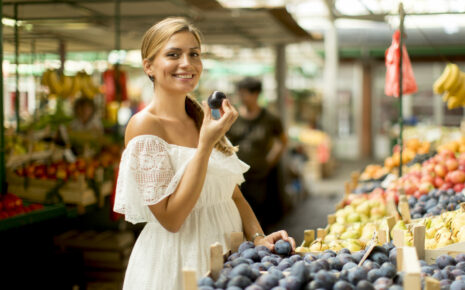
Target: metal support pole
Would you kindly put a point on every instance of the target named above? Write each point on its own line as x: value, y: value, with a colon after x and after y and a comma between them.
x: 17, y: 103
x: 3, y: 183
x: 401, y: 121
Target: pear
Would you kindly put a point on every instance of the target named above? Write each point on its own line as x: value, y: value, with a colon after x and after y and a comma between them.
x: 352, y: 244
x: 460, y: 237
x: 337, y: 228
x: 353, y: 217
x: 316, y: 246
x: 335, y: 246
x: 329, y: 238
x: 363, y: 208
x: 350, y: 234
x: 302, y: 250
x: 368, y: 231
x: 400, y: 225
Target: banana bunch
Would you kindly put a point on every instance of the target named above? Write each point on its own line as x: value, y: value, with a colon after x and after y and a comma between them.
x: 87, y: 86
x: 451, y: 84
x: 69, y: 86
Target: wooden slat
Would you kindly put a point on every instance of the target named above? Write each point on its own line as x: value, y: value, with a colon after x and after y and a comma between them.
x: 419, y: 240
x: 432, y: 284
x: 189, y: 279
x: 216, y: 260
x: 411, y: 268
x: 236, y: 240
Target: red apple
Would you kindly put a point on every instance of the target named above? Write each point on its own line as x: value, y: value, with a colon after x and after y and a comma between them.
x: 440, y: 170
x: 452, y: 164
x: 438, y: 182
x: 447, y: 153
x: 446, y: 186
x: 457, y: 176
x: 417, y: 194
x: 459, y: 187
x: 425, y: 187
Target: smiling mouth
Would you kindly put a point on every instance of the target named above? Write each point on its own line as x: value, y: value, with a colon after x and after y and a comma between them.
x: 184, y: 76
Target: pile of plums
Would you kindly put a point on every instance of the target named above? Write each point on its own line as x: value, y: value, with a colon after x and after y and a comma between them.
x: 435, y: 202
x: 257, y: 268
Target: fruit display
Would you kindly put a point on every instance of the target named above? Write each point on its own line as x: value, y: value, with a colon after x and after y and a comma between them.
x: 11, y: 205
x: 355, y: 225
x: 440, y: 231
x: 259, y: 268
x: 448, y: 270
x: 443, y: 171
x: 59, y: 170
x: 412, y: 147
x: 451, y: 84
x: 435, y: 202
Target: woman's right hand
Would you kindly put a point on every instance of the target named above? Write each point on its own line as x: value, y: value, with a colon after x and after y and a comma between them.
x: 212, y: 130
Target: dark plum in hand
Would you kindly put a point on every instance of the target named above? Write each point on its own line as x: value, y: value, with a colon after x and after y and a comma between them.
x: 216, y: 99
x: 282, y: 247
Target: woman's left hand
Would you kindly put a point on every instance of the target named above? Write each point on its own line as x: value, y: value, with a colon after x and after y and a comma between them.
x: 269, y: 240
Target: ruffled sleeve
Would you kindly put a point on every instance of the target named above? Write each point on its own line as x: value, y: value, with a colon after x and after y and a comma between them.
x: 146, y: 176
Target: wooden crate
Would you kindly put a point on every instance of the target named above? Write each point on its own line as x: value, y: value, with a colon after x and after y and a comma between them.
x: 72, y: 192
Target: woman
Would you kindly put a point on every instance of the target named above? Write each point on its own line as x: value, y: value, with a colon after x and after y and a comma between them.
x: 178, y: 172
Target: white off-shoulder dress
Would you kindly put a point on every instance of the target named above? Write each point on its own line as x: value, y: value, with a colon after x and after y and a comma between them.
x: 150, y: 170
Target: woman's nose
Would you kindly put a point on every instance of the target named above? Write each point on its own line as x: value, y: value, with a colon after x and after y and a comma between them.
x: 185, y: 60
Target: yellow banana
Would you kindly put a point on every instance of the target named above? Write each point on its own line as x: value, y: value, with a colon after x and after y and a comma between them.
x: 87, y: 87
x: 452, y: 81
x: 45, y: 78
x: 438, y: 86
x: 76, y: 87
x: 454, y: 102
x: 66, y: 86
x: 54, y: 83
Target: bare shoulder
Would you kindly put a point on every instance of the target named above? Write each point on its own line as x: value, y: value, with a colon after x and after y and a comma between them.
x: 142, y: 123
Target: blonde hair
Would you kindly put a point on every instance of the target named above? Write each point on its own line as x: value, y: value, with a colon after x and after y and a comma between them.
x: 154, y: 39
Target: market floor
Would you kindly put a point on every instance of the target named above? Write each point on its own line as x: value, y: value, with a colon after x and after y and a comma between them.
x: 311, y: 211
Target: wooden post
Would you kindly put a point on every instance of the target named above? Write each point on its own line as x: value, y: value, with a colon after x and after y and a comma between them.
x: 236, y: 240
x: 320, y: 233
x: 216, y: 260
x: 398, y: 238
x: 391, y: 222
x: 347, y: 188
x: 355, y: 176
x: 309, y: 237
x: 383, y: 237
x: 331, y: 219
x: 404, y: 209
x: 432, y: 284
x: 419, y: 240
x: 189, y: 279
x: 391, y: 208
x: 411, y: 268
x: 400, y: 259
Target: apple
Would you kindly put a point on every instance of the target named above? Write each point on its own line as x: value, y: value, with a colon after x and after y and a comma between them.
x: 452, y: 164
x: 459, y: 187
x: 446, y: 186
x: 440, y: 170
x: 457, y: 176
x: 417, y: 194
x: 425, y: 187
x: 447, y: 153
x: 438, y: 182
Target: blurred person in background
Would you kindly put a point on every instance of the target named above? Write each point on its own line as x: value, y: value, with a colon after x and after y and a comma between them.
x: 262, y: 141
x: 86, y: 117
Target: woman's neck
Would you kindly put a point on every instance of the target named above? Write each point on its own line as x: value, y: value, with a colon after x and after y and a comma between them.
x: 170, y: 106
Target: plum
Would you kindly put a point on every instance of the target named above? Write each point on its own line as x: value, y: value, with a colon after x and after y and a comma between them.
x: 278, y: 288
x: 370, y: 265
x: 245, y: 245
x: 254, y: 287
x: 239, y: 281
x: 387, y: 270
x: 295, y: 258
x: 460, y: 258
x: 282, y: 247
x: 250, y: 254
x: 233, y: 288
x: 357, y: 274
x: 427, y: 270
x: 239, y: 261
x: 457, y: 285
x: 445, y: 260
x: 242, y: 270
x: 206, y: 288
x: 308, y: 258
x: 276, y: 272
x: 215, y: 100
x: 262, y: 254
x: 267, y: 281
x: 259, y: 266
x: 221, y: 282
x: 365, y: 285
x: 342, y: 285
x: 382, y: 283
x: 300, y: 271
x: 457, y: 273
x: 325, y: 278
x: 284, y: 264
x: 373, y: 275
x: 233, y: 256
x: 205, y: 281
x: 396, y: 287
x: 379, y: 257
x: 290, y: 283
x: 344, y: 251
x: 349, y: 266
x: 393, y: 256
x: 357, y: 256
x: 344, y: 275
x: 460, y: 265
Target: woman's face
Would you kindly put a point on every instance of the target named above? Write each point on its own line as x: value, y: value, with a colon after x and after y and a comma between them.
x: 177, y: 66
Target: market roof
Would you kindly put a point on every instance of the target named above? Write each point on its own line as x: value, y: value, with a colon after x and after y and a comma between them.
x: 89, y: 25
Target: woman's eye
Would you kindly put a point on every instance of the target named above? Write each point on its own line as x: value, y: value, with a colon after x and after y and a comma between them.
x: 195, y: 54
x: 173, y: 54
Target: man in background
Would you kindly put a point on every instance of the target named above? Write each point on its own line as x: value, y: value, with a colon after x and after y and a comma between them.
x: 262, y: 142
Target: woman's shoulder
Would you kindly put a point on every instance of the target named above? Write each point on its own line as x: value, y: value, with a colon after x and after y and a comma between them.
x: 143, y: 123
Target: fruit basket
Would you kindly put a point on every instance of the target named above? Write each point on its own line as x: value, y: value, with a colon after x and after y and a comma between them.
x: 349, y: 270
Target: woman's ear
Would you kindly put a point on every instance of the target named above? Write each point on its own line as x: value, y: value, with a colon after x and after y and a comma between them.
x: 147, y: 67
